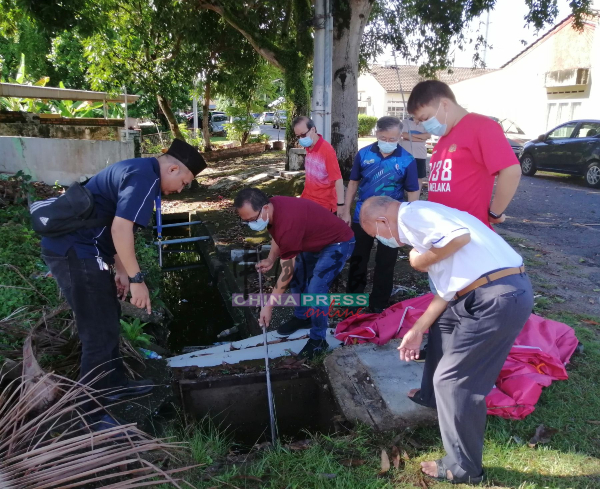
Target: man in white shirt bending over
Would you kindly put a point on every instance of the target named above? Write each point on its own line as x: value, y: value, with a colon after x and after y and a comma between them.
x: 483, y: 300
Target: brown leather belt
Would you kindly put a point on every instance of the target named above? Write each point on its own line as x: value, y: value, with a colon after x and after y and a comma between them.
x: 489, y: 278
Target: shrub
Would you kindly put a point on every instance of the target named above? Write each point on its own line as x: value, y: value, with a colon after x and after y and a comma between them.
x: 366, y: 123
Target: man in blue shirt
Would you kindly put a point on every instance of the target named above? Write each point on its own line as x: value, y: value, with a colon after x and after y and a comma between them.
x: 383, y: 169
x: 97, y: 266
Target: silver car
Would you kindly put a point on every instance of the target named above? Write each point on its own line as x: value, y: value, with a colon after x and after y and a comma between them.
x: 266, y: 118
x: 280, y: 119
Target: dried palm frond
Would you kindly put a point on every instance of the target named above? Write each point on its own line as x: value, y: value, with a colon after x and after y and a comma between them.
x: 56, y: 448
x: 57, y: 339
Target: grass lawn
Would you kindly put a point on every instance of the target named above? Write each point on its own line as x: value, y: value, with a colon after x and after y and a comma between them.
x: 352, y: 459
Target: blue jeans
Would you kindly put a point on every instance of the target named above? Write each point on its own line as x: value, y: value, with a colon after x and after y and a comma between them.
x: 313, y: 274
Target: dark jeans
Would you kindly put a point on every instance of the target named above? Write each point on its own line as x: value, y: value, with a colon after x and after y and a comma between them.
x: 313, y: 274
x: 385, y: 260
x: 92, y: 294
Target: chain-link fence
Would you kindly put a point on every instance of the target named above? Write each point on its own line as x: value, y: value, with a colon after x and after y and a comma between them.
x: 153, y: 143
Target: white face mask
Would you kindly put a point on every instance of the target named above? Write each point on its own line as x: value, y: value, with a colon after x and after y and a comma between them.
x: 434, y: 126
x: 389, y: 242
x: 260, y: 224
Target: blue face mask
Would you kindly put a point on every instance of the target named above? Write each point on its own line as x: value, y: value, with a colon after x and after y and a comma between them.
x: 260, y: 224
x: 389, y: 242
x: 306, y: 142
x: 434, y: 126
x: 386, y: 148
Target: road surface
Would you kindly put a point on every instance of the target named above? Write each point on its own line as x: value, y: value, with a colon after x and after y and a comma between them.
x: 559, y: 211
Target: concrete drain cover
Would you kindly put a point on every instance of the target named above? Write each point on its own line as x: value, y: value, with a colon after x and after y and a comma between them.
x: 370, y: 385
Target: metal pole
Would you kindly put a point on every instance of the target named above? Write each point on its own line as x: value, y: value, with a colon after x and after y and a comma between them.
x: 328, y: 79
x: 159, y: 229
x: 126, y: 130
x: 319, y: 67
x: 195, y: 109
x: 267, y: 371
x: 487, y: 28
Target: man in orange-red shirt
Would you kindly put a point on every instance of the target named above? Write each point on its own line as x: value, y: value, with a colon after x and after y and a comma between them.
x: 323, y: 184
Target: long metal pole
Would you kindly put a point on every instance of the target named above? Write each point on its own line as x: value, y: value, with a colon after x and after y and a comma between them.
x: 195, y: 107
x: 328, y: 62
x: 157, y: 203
x: 125, y: 97
x: 319, y: 67
x: 267, y: 371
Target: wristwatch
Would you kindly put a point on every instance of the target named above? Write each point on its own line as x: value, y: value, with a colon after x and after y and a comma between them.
x: 138, y: 278
x: 495, y: 216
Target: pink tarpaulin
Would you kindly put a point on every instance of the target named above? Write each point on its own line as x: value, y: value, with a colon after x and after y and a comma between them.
x: 538, y: 357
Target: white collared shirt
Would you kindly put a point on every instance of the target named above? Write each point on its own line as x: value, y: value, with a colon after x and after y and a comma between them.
x: 426, y: 224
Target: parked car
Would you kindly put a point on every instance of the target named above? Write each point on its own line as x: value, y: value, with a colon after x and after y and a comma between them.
x: 572, y: 148
x: 217, y: 124
x: 514, y: 134
x: 280, y: 119
x: 266, y: 118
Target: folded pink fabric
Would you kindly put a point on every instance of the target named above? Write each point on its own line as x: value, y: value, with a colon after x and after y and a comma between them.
x: 538, y: 357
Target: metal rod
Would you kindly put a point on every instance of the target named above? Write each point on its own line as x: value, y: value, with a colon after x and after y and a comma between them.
x: 177, y: 224
x: 267, y: 371
x: 157, y: 203
x: 182, y: 240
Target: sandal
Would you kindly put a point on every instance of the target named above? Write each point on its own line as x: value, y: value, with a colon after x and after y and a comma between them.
x: 418, y: 400
x: 442, y: 475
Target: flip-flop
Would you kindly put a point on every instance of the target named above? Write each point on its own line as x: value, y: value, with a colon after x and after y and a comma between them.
x: 442, y: 475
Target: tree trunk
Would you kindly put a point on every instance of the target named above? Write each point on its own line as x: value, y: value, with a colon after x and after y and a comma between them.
x: 350, y: 17
x: 164, y: 105
x: 205, y: 110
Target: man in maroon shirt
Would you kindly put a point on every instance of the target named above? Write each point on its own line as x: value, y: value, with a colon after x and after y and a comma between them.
x: 312, y: 242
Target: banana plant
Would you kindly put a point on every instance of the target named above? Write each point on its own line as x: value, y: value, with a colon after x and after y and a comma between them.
x: 21, y: 104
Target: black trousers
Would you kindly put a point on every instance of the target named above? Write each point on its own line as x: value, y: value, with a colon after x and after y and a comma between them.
x: 92, y: 294
x: 385, y: 260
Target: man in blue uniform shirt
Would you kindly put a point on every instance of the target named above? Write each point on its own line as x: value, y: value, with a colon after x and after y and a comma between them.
x: 380, y: 169
x: 95, y: 267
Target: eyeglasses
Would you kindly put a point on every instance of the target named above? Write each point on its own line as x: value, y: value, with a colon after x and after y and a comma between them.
x: 252, y: 220
x: 389, y: 140
x: 304, y: 135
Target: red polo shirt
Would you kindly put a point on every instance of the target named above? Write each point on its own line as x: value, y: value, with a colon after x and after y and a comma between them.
x: 322, y: 170
x: 301, y: 225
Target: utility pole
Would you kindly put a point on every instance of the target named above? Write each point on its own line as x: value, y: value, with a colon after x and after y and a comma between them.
x: 322, y: 68
x: 317, y: 108
x: 195, y: 107
x: 487, y: 29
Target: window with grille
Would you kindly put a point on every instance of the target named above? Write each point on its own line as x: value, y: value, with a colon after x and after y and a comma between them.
x: 396, y: 109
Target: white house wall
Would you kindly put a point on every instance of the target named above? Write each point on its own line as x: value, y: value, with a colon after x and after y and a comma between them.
x: 368, y: 86
x: 518, y: 92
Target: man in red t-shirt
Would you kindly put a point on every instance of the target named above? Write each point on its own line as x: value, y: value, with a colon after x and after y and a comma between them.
x: 471, y: 153
x: 323, y: 181
x: 312, y: 242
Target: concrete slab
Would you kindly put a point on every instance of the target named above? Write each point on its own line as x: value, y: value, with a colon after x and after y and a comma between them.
x: 370, y: 385
x: 248, y: 349
x: 261, y: 177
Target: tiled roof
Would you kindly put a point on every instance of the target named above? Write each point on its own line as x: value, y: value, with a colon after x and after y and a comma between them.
x: 387, y: 76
